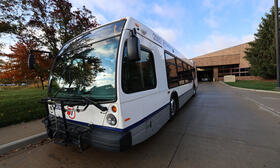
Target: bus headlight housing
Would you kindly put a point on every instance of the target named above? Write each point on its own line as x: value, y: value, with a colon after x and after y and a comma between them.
x: 111, y: 119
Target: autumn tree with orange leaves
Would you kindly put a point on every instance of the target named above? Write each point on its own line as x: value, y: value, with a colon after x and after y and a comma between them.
x: 16, y: 69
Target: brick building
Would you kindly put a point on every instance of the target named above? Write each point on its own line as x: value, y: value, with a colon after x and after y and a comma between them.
x: 229, y: 61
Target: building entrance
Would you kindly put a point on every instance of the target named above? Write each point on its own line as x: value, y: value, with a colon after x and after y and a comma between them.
x: 205, y: 74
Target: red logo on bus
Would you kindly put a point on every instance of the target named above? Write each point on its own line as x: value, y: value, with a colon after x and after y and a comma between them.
x: 71, y: 112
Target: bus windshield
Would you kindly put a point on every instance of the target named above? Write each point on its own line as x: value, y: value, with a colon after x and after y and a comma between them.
x: 86, y: 66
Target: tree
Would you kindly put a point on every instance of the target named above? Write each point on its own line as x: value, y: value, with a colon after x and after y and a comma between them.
x: 2, y: 63
x: 16, y: 68
x: 261, y: 53
x: 47, y: 23
x: 50, y: 23
x: 12, y: 16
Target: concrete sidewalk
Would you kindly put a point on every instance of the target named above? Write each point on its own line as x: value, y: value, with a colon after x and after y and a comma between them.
x: 20, y: 131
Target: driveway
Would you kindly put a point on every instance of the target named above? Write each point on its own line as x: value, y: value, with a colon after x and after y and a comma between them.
x: 219, y: 128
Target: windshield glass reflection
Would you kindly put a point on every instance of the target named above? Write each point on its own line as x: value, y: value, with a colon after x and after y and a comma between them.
x: 87, y: 71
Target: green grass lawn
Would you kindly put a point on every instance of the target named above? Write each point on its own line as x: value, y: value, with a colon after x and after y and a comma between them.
x: 254, y: 84
x: 20, y: 105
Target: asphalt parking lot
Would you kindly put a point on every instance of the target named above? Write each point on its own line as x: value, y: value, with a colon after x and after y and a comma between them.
x: 219, y: 128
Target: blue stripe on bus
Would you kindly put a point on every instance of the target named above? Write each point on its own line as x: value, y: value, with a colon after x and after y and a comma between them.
x: 129, y: 127
x: 119, y: 129
x: 144, y: 119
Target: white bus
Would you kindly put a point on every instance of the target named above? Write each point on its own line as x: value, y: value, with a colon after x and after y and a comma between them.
x: 115, y: 86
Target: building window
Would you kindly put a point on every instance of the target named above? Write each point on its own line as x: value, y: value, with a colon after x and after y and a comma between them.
x: 140, y: 75
x: 233, y: 70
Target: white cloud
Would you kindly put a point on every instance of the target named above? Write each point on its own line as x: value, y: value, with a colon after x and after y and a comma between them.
x: 212, y: 22
x: 100, y: 18
x: 208, y: 4
x: 158, y: 10
x: 114, y: 9
x: 215, y: 7
x: 105, y: 52
x: 215, y: 42
x: 174, y: 12
x: 104, y: 78
x: 169, y: 15
x: 247, y: 38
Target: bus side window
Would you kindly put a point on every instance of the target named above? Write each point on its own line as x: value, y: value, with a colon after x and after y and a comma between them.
x: 180, y: 72
x: 140, y: 75
x: 171, y: 70
x: 186, y: 71
x: 190, y: 74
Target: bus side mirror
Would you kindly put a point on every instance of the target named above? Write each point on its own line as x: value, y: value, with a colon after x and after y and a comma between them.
x: 31, y: 61
x: 133, y: 47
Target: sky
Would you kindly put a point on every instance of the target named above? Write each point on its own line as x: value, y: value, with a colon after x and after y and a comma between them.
x: 194, y: 27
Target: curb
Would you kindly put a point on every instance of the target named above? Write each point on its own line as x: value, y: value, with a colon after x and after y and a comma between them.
x: 22, y: 142
x: 255, y: 90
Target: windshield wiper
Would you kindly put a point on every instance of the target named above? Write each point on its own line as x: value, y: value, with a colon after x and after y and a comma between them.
x: 89, y: 101
x: 75, y: 102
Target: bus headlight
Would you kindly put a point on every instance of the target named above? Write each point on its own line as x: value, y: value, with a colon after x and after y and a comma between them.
x: 111, y: 119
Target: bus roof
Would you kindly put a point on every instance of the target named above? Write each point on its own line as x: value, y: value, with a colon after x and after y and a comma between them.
x: 154, y: 37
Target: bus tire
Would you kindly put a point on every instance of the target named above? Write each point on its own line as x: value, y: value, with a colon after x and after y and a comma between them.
x: 173, y: 106
x: 194, y: 91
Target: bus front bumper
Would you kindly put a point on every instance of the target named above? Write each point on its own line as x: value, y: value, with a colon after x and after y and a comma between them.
x: 81, y: 135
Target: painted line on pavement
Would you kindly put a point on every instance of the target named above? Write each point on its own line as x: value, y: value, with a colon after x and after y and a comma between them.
x: 271, y: 98
x: 264, y: 107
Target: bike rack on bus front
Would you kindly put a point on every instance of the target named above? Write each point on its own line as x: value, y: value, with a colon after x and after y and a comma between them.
x: 67, y: 140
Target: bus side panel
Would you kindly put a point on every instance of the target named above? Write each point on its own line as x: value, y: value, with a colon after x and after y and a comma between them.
x: 150, y: 126
x: 184, y: 97
x: 184, y: 93
x: 138, y: 134
x: 160, y: 119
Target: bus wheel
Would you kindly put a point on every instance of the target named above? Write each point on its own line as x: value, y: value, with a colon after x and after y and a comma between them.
x: 194, y: 91
x: 173, y: 107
